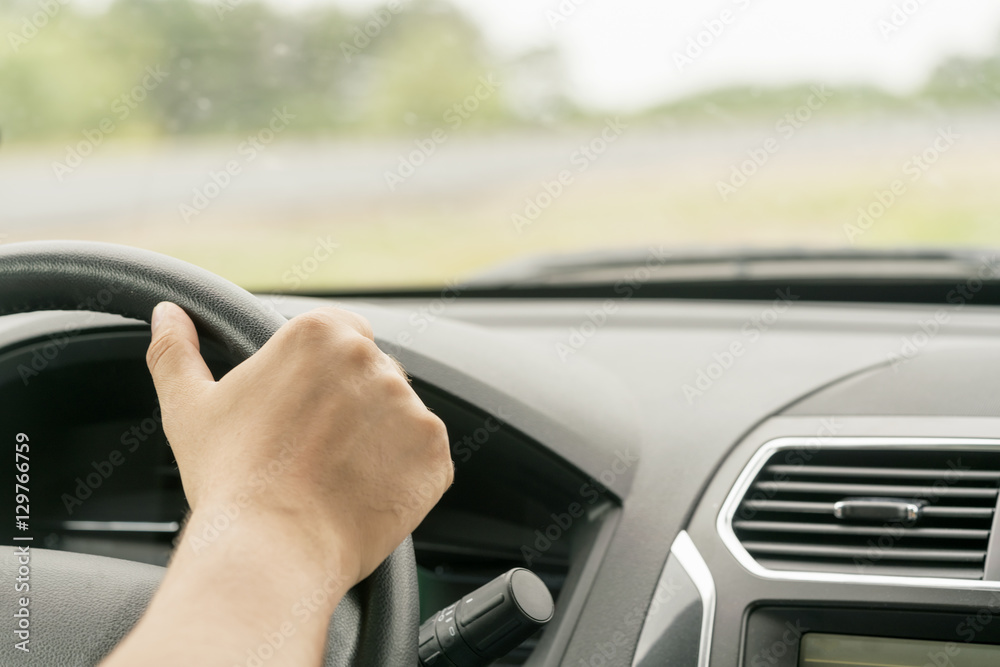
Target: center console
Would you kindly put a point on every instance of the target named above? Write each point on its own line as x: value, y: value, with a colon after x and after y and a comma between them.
x: 839, y: 542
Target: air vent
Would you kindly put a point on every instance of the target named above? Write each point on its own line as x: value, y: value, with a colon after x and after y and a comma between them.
x: 916, y: 512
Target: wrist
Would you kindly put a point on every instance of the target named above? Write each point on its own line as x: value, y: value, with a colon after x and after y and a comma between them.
x: 259, y: 576
x: 271, y: 541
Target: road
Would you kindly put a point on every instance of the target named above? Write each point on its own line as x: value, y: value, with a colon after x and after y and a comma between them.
x: 651, y: 179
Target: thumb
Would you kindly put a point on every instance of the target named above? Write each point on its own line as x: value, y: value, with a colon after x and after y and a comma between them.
x: 174, y: 356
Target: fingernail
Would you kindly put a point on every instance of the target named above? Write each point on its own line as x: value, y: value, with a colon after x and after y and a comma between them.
x: 157, y: 318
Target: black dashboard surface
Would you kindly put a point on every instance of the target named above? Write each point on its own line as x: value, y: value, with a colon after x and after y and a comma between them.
x: 652, y: 397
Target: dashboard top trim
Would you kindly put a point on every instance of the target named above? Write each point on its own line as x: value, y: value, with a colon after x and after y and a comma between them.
x: 724, y: 521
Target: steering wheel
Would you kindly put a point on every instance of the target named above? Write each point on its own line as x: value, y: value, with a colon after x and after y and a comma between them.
x: 82, y: 606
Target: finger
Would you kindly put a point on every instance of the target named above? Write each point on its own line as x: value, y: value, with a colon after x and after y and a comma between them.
x: 174, y: 357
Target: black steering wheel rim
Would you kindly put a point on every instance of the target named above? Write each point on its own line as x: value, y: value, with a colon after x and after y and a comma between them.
x: 83, y: 605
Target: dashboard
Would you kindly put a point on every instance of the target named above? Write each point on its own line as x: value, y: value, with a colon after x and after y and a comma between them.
x: 766, y: 483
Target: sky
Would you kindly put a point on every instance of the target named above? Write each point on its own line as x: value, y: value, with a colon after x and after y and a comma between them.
x: 630, y: 54
x: 627, y: 50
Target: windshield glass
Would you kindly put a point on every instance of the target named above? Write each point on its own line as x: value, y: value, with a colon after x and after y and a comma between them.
x: 352, y: 144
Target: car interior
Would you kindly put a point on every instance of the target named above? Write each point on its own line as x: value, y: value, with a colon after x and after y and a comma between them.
x: 705, y: 294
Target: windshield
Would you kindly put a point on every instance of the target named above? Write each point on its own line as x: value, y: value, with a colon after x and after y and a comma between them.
x: 348, y: 144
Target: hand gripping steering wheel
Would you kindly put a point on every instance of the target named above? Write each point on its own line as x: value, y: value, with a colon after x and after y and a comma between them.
x: 81, y: 606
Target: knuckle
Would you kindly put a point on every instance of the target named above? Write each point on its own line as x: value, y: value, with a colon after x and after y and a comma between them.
x: 158, y: 349
x: 312, y: 325
x: 448, y: 473
x: 338, y: 318
x: 436, y: 447
x: 393, y: 385
x: 357, y: 350
x: 434, y: 432
x: 361, y: 323
x: 398, y: 368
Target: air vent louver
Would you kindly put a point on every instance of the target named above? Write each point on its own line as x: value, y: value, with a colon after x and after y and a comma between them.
x: 904, y: 512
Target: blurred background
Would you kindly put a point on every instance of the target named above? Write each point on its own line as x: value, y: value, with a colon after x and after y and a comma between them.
x: 295, y: 145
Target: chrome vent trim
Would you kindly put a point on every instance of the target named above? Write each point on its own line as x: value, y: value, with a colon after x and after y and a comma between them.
x: 168, y: 527
x: 692, y: 562
x: 690, y: 559
x: 728, y: 512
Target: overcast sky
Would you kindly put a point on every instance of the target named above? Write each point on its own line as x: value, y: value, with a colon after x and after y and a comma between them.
x: 621, y: 53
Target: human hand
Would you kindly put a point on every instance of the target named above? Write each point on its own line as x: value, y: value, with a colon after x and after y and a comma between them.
x: 360, y: 459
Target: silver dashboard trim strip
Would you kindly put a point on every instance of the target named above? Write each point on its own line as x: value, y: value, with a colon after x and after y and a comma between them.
x: 724, y: 523
x: 690, y: 559
x: 122, y: 526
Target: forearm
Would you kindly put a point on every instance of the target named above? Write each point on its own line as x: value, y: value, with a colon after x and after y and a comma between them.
x: 256, y: 590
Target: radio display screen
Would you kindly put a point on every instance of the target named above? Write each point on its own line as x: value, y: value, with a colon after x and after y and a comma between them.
x: 825, y: 650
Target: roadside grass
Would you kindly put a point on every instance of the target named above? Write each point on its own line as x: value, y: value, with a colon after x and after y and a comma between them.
x: 798, y: 199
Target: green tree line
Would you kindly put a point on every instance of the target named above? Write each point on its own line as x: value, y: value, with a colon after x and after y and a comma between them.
x: 224, y: 66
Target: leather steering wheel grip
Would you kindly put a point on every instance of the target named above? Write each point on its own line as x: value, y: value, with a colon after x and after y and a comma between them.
x: 389, y: 624
x: 82, y: 606
x: 80, y: 275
